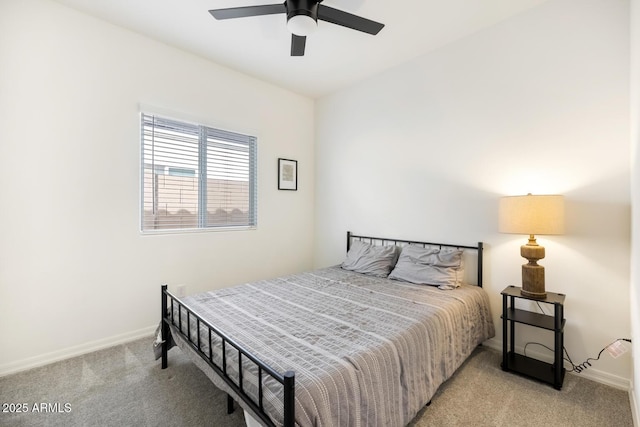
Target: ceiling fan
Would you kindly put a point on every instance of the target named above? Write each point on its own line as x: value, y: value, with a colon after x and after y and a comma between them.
x: 302, y: 19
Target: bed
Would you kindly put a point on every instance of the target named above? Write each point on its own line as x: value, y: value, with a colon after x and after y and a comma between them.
x: 363, y: 343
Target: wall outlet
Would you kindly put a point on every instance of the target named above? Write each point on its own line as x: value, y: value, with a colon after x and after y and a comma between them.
x: 617, y: 349
x: 181, y: 290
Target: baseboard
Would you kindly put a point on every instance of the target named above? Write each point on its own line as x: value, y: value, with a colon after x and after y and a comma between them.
x: 591, y: 373
x: 634, y: 406
x: 605, y: 378
x: 78, y: 350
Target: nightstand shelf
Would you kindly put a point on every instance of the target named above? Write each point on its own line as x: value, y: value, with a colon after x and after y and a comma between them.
x: 532, y: 319
x: 511, y: 361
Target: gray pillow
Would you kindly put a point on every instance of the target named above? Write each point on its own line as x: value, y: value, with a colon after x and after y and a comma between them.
x: 429, y: 266
x: 369, y: 259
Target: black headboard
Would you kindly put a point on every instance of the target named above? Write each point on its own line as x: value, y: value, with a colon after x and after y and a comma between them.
x: 384, y: 241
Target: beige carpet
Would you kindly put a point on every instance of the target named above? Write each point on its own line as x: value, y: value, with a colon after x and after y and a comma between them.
x: 481, y: 394
x: 124, y: 386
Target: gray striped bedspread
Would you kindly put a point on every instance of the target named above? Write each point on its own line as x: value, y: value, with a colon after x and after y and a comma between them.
x: 366, y: 351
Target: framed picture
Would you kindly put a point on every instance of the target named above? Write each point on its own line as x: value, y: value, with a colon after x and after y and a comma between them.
x: 287, y: 174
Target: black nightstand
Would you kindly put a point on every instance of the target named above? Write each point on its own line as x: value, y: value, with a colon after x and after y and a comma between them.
x: 511, y: 361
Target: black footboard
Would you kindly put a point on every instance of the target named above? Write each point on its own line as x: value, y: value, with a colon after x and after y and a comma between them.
x: 169, y: 302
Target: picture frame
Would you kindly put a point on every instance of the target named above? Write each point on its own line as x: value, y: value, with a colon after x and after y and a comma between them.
x: 287, y: 174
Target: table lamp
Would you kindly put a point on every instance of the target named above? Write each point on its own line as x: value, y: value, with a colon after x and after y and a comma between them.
x: 532, y: 215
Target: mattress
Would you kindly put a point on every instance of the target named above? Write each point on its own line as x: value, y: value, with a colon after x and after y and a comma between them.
x: 366, y: 351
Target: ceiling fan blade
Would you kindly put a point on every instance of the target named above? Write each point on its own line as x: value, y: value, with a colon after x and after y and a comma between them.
x: 242, y: 12
x: 348, y: 20
x: 297, y: 45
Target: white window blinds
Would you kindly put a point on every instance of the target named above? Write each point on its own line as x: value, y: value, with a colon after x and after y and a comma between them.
x: 196, y: 176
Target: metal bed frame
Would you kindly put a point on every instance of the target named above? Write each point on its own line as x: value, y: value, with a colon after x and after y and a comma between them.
x: 287, y: 379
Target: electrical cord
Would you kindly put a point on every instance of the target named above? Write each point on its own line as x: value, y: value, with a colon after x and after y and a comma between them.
x: 587, y: 363
x: 540, y: 307
x: 581, y: 366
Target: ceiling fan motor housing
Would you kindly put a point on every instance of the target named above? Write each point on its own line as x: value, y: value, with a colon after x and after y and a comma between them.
x: 302, y: 19
x: 302, y: 7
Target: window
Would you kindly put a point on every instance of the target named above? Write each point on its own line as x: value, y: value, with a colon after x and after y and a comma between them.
x: 196, y: 177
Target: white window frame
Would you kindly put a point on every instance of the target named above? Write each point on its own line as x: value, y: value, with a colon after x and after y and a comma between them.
x: 218, y: 156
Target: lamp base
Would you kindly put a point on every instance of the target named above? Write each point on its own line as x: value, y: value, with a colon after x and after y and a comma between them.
x: 533, y: 295
x: 532, y: 273
x: 533, y: 281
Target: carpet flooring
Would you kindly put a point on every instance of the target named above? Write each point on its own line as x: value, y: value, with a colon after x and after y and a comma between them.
x: 124, y: 386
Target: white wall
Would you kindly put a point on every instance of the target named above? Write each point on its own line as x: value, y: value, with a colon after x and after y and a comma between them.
x: 538, y: 103
x: 635, y: 201
x: 75, y: 273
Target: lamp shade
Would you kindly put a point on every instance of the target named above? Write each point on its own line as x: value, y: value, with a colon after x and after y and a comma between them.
x: 531, y: 214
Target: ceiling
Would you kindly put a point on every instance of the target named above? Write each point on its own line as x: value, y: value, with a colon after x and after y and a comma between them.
x: 335, y: 56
